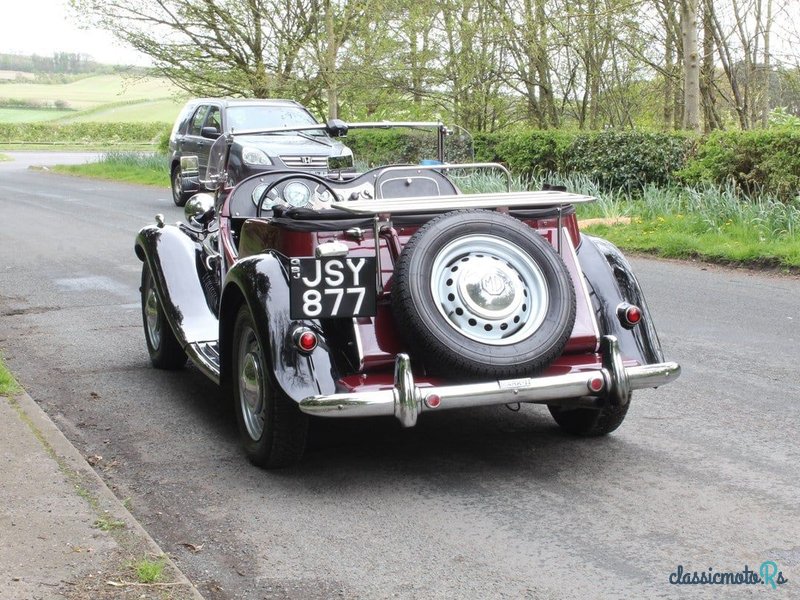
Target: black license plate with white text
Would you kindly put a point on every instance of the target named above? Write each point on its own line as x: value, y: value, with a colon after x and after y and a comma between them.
x: 332, y: 287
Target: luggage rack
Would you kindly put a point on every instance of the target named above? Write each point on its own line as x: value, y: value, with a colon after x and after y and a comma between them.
x: 461, y: 201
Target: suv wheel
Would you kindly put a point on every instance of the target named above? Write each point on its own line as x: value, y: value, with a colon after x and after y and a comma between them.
x: 179, y: 197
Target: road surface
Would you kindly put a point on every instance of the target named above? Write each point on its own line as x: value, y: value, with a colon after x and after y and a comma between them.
x: 482, y: 503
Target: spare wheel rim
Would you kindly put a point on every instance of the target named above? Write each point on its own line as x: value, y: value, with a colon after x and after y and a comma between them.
x: 489, y: 290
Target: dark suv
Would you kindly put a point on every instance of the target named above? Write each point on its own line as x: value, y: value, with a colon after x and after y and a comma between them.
x: 203, y: 120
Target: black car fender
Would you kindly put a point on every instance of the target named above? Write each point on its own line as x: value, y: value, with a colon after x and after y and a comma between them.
x: 611, y: 282
x: 172, y: 259
x: 262, y: 282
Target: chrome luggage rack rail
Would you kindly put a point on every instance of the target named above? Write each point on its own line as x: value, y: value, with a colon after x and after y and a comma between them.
x: 460, y: 201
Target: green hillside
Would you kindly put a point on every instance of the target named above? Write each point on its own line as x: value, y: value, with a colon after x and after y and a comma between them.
x: 104, y: 98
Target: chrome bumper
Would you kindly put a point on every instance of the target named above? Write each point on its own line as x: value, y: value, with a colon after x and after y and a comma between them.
x: 406, y: 401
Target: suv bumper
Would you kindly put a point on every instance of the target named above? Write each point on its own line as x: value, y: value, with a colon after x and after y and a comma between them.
x: 406, y: 401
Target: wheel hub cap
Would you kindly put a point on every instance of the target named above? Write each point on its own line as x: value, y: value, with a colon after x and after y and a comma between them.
x: 489, y: 289
x: 153, y: 324
x: 251, y: 391
x: 251, y: 382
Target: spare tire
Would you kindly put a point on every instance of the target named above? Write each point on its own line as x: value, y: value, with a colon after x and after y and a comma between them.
x: 479, y: 293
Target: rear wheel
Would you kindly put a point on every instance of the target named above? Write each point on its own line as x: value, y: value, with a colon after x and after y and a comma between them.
x: 179, y: 197
x: 272, y: 428
x: 589, y: 422
x: 164, y: 348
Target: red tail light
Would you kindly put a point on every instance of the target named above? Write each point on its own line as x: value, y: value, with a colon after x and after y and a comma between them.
x: 629, y: 315
x: 305, y: 339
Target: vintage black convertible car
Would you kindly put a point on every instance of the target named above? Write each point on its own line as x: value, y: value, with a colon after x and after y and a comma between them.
x: 390, y: 292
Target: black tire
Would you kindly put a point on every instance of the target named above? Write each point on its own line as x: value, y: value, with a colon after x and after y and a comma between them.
x: 179, y: 196
x: 162, y: 345
x: 456, y: 328
x: 272, y: 428
x: 589, y: 422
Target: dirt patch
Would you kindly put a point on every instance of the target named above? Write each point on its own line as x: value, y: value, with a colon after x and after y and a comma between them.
x: 605, y: 221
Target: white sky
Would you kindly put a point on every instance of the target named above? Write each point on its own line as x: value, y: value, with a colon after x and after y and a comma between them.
x: 46, y: 26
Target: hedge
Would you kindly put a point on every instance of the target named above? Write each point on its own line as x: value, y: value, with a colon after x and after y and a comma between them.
x: 81, y: 133
x: 765, y: 161
x: 379, y: 147
x: 757, y: 161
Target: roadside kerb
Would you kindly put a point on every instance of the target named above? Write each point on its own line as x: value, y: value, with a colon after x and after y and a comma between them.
x: 83, y: 484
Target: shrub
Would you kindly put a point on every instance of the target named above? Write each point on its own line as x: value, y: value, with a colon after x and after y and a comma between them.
x: 163, y: 140
x: 764, y: 161
x: 380, y: 147
x: 532, y: 153
x: 627, y: 160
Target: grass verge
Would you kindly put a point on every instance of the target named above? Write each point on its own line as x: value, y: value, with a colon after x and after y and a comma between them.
x: 676, y: 237
x: 717, y: 224
x: 8, y: 385
x: 145, y: 168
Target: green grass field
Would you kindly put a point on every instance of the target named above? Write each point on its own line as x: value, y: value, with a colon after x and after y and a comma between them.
x: 31, y: 115
x: 103, y: 98
x: 144, y: 111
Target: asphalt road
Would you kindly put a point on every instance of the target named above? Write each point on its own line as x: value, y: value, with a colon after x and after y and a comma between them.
x: 475, y: 504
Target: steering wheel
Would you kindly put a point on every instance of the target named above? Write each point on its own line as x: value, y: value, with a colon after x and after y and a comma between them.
x: 294, y: 176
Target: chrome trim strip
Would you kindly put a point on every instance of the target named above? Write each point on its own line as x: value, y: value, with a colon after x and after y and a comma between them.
x: 205, y: 355
x: 584, y: 289
x: 398, y: 206
x: 359, y: 344
x: 376, y: 238
x: 406, y: 394
x: 445, y: 167
x: 620, y: 385
x: 406, y: 401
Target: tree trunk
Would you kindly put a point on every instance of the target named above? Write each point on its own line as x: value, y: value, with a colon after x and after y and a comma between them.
x: 766, y: 68
x: 711, y: 118
x: 691, y: 67
x: 669, y: 84
x: 330, y: 63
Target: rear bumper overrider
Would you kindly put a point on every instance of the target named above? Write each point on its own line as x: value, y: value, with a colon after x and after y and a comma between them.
x: 406, y: 401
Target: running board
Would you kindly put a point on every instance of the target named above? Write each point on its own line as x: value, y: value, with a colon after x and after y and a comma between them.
x: 206, y: 356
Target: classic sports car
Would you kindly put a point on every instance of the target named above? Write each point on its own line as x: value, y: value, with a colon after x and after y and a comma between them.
x: 390, y: 292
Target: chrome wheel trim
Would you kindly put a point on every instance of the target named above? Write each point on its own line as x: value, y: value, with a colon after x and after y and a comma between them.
x: 152, y: 317
x: 252, y: 394
x: 177, y: 184
x: 489, y: 289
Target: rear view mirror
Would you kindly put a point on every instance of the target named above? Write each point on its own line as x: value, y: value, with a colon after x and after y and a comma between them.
x: 210, y: 133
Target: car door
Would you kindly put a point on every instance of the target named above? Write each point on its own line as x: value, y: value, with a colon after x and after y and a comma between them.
x: 193, y: 142
x: 213, y: 119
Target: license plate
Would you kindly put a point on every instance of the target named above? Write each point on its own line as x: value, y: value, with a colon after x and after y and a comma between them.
x: 332, y: 287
